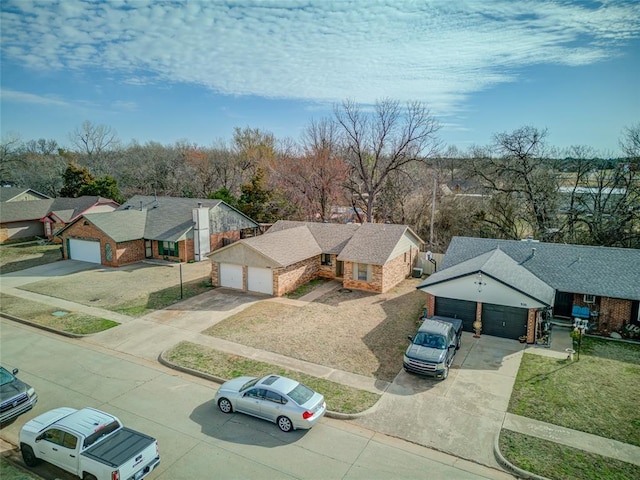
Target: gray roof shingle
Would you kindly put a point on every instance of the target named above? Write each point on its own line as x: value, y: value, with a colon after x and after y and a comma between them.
x: 287, y: 246
x: 601, y: 271
x: 120, y: 225
x: 373, y: 243
x: 65, y: 208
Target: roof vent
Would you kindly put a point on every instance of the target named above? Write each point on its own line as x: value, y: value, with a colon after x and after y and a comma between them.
x: 199, y: 204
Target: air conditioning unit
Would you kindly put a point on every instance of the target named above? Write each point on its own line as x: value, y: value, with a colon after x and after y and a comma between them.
x: 589, y: 298
x: 417, y: 273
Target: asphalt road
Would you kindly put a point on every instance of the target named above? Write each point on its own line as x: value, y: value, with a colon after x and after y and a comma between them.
x: 196, y: 440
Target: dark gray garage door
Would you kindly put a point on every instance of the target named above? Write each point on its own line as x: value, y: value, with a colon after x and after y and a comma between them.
x: 463, y: 309
x: 502, y: 321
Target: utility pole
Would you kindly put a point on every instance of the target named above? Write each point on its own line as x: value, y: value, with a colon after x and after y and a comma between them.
x: 433, y: 212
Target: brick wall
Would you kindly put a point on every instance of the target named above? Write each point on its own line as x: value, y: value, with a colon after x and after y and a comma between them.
x: 531, y: 325
x: 375, y: 285
x: 287, y: 279
x: 614, y: 313
x: 126, y: 252
x: 399, y: 268
x: 431, y: 305
x: 328, y: 271
x: 216, y: 240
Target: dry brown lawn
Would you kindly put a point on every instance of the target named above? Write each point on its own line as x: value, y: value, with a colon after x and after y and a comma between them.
x: 356, y: 331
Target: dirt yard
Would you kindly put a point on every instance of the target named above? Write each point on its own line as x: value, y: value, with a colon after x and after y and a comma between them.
x: 355, y: 331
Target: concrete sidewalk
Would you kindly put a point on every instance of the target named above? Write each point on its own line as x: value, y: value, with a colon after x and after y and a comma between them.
x: 146, y: 337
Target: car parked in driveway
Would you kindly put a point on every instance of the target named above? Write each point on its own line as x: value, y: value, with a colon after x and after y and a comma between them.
x: 284, y: 401
x: 16, y: 396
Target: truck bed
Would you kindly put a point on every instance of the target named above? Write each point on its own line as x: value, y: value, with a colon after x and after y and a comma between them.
x: 116, y: 449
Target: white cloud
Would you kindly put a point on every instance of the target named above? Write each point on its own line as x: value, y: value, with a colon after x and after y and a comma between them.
x: 317, y: 51
x: 22, y: 97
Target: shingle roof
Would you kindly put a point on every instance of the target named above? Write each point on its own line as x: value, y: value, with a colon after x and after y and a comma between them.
x: 287, y: 246
x: 121, y: 226
x: 371, y: 243
x: 593, y: 270
x: 500, y: 266
x: 374, y: 243
x: 66, y: 208
x: 8, y: 193
x: 331, y: 237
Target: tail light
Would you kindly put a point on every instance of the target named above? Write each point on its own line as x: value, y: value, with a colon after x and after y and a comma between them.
x: 157, y: 449
x: 307, y: 415
x: 115, y: 475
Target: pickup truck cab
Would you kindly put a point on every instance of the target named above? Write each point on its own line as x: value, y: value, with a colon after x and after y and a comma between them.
x: 433, y: 347
x: 91, y: 444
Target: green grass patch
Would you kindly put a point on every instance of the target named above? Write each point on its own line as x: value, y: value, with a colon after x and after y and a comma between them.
x: 560, y: 462
x: 14, y: 258
x: 306, y: 288
x: 597, y: 394
x: 339, y: 398
x: 162, y: 298
x: 42, y: 314
x: 8, y: 471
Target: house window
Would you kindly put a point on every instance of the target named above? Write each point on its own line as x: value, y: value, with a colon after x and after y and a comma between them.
x: 362, y: 272
x: 169, y: 249
x: 325, y: 259
x: 589, y: 298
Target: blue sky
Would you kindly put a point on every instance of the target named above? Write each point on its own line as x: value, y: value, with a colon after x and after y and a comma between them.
x: 168, y: 71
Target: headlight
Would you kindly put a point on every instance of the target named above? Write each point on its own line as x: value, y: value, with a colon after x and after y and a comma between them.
x: 440, y: 366
x: 31, y: 392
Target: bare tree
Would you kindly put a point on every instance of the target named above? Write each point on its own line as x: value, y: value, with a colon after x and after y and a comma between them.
x: 517, y: 170
x: 313, y: 175
x: 97, y: 147
x: 381, y: 142
x: 630, y: 143
x: 9, y: 156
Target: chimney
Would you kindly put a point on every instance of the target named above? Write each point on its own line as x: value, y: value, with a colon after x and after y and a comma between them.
x: 533, y: 252
x: 140, y: 205
x: 199, y: 204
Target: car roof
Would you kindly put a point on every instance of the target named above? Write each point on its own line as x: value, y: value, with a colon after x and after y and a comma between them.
x: 277, y: 382
x: 86, y: 421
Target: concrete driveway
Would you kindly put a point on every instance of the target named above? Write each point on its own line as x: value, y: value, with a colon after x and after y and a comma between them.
x: 461, y: 415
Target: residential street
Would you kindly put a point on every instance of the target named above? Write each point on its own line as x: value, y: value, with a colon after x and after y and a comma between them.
x: 196, y: 439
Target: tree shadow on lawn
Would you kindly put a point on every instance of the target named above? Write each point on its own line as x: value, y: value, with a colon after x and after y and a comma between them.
x: 611, y: 349
x: 388, y: 340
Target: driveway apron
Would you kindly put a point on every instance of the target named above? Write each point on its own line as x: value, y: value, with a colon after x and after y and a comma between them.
x: 461, y: 415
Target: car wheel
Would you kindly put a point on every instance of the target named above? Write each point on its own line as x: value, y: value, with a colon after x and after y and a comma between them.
x: 30, y: 459
x: 445, y: 374
x: 88, y: 476
x: 459, y: 344
x: 284, y: 424
x: 225, y: 405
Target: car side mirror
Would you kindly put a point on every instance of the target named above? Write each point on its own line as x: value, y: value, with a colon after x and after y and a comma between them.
x: 410, y: 338
x: 15, y: 371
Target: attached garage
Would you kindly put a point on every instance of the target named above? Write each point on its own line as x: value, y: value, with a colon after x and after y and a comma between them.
x: 260, y: 280
x: 503, y: 321
x: 452, y: 308
x: 231, y: 275
x: 84, y: 250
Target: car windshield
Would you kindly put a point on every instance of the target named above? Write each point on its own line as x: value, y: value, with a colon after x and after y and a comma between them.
x: 301, y: 394
x: 5, y: 376
x: 430, y: 340
x: 249, y: 384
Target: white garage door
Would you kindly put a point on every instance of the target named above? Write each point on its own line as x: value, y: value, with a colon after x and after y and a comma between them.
x: 231, y: 275
x: 260, y: 280
x: 84, y: 250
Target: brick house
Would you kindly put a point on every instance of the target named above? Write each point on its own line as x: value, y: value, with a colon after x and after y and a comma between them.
x: 24, y: 216
x: 371, y: 256
x: 169, y: 228
x: 512, y: 287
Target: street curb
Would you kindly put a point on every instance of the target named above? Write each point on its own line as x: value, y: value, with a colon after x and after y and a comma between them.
x: 43, y: 327
x: 510, y: 467
x: 212, y: 378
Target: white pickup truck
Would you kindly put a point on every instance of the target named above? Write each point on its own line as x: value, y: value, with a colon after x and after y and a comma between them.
x: 91, y: 444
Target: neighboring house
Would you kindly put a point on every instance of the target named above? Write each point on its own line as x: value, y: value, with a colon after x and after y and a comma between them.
x: 510, y: 286
x: 19, y: 194
x: 169, y: 228
x: 43, y: 218
x: 371, y: 256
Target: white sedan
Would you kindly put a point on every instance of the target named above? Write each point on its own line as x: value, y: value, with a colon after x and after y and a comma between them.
x: 286, y: 402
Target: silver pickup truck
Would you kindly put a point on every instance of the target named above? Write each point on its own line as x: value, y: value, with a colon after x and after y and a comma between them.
x: 433, y: 347
x: 91, y: 444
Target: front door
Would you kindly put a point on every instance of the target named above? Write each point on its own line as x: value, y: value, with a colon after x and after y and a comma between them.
x: 339, y: 268
x: 563, y: 304
x: 148, y: 249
